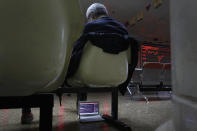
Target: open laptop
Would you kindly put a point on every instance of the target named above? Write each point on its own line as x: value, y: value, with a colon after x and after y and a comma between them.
x: 89, y: 111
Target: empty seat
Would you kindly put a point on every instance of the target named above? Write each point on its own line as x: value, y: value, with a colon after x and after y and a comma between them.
x: 100, y: 69
x: 151, y: 74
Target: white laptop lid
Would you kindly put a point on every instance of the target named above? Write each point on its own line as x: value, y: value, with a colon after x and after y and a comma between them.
x: 88, y: 108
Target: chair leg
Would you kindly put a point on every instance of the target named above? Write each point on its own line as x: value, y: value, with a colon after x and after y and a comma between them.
x: 46, y: 114
x: 114, y: 105
x: 138, y: 89
x: 131, y: 94
x: 114, y: 112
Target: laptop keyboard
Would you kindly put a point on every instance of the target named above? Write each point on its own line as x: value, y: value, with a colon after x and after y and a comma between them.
x: 90, y: 118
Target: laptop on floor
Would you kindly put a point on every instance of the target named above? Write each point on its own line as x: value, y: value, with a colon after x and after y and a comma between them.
x: 89, y: 111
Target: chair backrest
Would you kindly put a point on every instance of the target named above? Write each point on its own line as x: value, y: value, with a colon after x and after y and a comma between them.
x: 36, y: 42
x: 100, y: 69
x: 151, y: 74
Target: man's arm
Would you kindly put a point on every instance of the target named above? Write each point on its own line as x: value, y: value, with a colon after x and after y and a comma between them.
x: 80, y: 43
x: 76, y: 54
x: 134, y: 61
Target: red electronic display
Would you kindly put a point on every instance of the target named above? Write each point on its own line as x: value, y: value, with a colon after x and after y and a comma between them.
x: 154, y: 53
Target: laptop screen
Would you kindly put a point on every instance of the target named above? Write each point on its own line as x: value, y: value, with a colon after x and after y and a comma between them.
x: 88, y: 108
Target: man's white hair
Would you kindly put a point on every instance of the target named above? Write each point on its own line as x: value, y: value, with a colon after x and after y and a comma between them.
x: 97, y: 9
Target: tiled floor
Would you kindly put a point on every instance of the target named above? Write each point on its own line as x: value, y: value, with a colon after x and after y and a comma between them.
x: 141, y: 116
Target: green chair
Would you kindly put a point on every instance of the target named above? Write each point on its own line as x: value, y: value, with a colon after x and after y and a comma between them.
x: 36, y: 42
x: 100, y: 69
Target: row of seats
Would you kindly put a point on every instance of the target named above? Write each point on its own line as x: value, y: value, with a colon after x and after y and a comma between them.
x: 153, y: 73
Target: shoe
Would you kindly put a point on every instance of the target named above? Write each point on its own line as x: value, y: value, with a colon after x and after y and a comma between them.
x: 27, y: 118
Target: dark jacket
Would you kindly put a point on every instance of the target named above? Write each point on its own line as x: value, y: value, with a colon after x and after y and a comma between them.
x: 102, y: 25
x: 114, y: 40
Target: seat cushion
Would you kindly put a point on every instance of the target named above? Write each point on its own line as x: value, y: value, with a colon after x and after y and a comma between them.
x: 100, y: 69
x: 152, y: 72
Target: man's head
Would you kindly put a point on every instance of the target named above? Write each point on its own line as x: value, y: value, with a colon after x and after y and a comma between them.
x: 95, y: 11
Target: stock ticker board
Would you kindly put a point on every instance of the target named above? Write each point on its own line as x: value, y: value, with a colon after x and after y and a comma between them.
x: 154, y: 53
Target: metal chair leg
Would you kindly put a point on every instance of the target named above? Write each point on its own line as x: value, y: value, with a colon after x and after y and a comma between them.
x: 114, y: 108
x: 139, y: 92
x: 46, y: 115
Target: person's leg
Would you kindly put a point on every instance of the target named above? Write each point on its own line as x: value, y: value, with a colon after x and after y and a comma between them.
x: 27, y: 116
